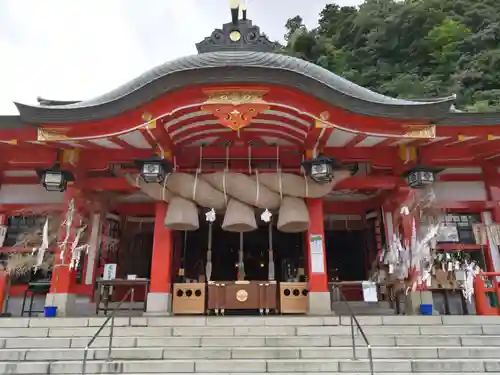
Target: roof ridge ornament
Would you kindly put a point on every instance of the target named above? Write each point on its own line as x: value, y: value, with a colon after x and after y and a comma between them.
x: 237, y: 35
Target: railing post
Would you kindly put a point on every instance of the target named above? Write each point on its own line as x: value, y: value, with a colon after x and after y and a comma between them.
x: 110, y: 344
x: 353, y: 339
x: 480, y: 298
x: 84, y: 364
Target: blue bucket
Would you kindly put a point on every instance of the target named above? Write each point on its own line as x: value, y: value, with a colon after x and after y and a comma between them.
x: 50, y: 311
x: 426, y: 309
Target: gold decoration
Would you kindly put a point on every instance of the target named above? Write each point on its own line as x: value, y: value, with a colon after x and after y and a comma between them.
x: 235, y: 36
x: 420, y: 132
x: 51, y: 135
x: 235, y: 97
x: 242, y: 295
x: 151, y: 122
x: 235, y: 109
x: 325, y: 115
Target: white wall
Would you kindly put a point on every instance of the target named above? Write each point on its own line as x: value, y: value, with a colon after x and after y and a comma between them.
x: 28, y: 194
x: 460, y: 191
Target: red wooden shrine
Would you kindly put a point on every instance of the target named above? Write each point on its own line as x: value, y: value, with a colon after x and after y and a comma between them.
x: 237, y: 101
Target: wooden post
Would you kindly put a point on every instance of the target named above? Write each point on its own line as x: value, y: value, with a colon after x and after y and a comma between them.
x: 319, y: 295
x: 480, y: 299
x: 159, y: 296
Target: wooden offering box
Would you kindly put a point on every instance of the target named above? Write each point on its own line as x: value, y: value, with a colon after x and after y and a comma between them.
x: 294, y: 298
x: 189, y: 298
x: 242, y: 295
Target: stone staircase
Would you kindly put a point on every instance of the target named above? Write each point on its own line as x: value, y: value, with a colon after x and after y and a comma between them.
x: 252, y: 345
x: 362, y: 308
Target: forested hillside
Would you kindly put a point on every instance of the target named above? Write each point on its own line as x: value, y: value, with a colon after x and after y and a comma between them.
x: 410, y: 49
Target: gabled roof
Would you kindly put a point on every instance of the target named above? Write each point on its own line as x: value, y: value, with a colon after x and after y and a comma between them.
x: 238, y: 67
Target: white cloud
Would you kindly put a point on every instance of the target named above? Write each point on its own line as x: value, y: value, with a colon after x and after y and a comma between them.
x: 70, y: 50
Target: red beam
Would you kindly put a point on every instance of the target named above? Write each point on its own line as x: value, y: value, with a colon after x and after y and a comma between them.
x: 108, y: 183
x: 135, y: 209
x: 461, y: 177
x: 346, y: 208
x: 368, y: 183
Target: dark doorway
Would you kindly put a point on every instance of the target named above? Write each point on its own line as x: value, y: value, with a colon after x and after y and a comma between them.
x: 345, y: 254
x: 346, y: 257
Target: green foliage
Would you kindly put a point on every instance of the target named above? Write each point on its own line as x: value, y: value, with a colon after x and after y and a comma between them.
x: 410, y: 49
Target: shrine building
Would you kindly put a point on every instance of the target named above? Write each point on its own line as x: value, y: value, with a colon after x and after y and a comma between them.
x: 238, y: 178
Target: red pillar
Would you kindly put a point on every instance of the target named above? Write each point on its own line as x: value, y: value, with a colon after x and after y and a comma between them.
x: 4, y: 276
x: 319, y: 295
x: 159, y: 297
x: 4, y: 285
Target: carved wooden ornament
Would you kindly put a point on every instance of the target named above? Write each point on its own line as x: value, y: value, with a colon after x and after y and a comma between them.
x: 235, y: 109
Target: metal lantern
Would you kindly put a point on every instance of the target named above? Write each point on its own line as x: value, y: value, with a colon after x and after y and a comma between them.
x: 55, y: 178
x: 421, y: 176
x: 321, y: 168
x: 153, y: 170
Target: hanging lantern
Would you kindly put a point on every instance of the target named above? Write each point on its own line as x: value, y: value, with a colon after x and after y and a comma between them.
x: 153, y: 170
x: 55, y: 178
x: 210, y: 216
x: 266, y: 216
x: 421, y: 176
x: 321, y: 168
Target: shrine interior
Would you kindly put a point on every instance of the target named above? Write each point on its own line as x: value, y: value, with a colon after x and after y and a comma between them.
x: 350, y: 249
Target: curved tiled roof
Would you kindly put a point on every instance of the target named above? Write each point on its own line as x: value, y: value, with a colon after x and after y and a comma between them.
x: 238, y: 67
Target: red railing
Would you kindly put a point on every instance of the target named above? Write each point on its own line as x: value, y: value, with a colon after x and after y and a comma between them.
x: 483, y: 294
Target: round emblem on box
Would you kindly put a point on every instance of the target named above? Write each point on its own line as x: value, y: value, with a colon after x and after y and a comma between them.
x: 241, y: 295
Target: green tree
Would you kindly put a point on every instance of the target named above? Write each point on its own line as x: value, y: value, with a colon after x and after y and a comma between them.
x: 411, y: 48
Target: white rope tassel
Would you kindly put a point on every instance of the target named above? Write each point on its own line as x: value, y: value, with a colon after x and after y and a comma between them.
x: 224, y: 185
x: 270, y: 261
x: 195, y: 184
x: 257, y: 194
x: 306, y: 180
x: 278, y: 170
x: 281, y: 184
x: 208, y: 266
x: 224, y: 188
x: 198, y: 171
x: 250, y: 159
x: 164, y: 187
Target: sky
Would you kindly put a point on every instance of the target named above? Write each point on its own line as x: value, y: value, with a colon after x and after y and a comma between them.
x: 78, y: 49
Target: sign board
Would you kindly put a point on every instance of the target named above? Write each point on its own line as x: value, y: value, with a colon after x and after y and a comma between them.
x: 369, y: 291
x: 109, y: 271
x: 317, y: 253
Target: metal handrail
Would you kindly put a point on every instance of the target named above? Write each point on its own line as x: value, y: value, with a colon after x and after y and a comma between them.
x: 110, y: 344
x: 355, y: 320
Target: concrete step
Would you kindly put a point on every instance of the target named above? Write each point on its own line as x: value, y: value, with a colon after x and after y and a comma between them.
x: 248, y: 366
x: 362, y: 308
x: 317, y: 373
x: 254, y: 341
x: 243, y: 331
x: 250, y: 353
x: 235, y: 321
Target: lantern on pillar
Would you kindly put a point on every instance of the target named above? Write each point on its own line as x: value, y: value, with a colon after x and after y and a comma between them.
x: 421, y: 176
x: 153, y: 170
x: 55, y: 178
x: 321, y: 168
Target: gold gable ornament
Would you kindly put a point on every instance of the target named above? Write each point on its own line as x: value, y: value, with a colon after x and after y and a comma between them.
x: 51, y: 135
